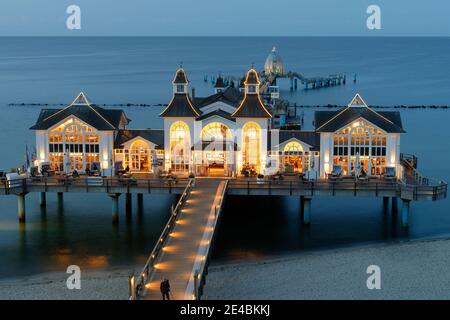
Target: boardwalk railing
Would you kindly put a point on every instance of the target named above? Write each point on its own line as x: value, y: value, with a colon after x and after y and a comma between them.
x: 87, y: 184
x: 203, y: 255
x: 137, y: 286
x: 434, y: 190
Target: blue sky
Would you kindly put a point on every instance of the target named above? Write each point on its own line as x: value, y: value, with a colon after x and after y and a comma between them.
x: 226, y: 17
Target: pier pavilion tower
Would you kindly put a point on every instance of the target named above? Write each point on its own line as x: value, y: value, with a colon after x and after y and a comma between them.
x: 179, y: 122
x: 252, y: 124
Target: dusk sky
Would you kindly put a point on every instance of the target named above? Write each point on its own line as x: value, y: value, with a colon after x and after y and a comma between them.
x: 226, y: 17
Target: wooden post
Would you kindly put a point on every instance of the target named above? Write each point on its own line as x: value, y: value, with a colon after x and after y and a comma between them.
x: 43, y: 199
x: 394, y: 205
x: 385, y: 204
x: 306, y: 211
x: 21, y: 207
x: 140, y: 201
x: 60, y: 199
x: 128, y: 205
x: 301, y: 208
x: 405, y: 212
x: 115, y: 207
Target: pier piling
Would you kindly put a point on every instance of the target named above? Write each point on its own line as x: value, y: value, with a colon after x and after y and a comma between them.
x: 385, y: 204
x: 128, y: 205
x: 405, y: 212
x: 140, y: 202
x: 60, y: 199
x: 21, y: 207
x: 43, y: 199
x: 115, y: 207
x: 306, y: 210
x: 394, y: 205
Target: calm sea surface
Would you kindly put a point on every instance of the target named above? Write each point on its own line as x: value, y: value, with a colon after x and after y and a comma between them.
x: 390, y: 71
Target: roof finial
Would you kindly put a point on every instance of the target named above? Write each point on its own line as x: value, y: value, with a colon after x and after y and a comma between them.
x: 181, y: 64
x: 253, y: 65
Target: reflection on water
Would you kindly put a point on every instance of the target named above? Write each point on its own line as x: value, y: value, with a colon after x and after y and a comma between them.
x: 79, y: 233
x: 394, y: 72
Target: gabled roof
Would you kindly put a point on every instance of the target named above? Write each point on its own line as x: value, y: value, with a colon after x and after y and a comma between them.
x: 152, y: 135
x: 99, y: 118
x: 309, y: 137
x: 219, y: 113
x: 252, y: 106
x: 230, y: 96
x: 331, y: 121
x: 180, y: 106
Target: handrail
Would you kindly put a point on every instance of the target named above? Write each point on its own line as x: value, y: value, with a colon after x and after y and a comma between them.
x: 146, y: 272
x: 378, y: 185
x: 88, y: 182
x: 199, y: 274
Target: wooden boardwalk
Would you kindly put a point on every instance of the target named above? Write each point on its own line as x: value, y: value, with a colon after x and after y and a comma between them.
x: 185, y: 249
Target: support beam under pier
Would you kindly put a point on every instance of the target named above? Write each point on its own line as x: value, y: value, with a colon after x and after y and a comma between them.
x: 405, y: 212
x: 385, y: 204
x: 21, y: 207
x: 128, y: 205
x: 60, y: 199
x: 140, y: 202
x: 115, y: 207
x: 43, y: 199
x: 394, y: 205
x: 306, y: 210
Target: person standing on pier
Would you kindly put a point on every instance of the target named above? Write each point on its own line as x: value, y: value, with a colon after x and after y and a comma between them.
x: 165, y: 289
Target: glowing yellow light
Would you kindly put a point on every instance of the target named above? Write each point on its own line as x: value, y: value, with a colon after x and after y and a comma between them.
x: 169, y: 248
x: 177, y: 234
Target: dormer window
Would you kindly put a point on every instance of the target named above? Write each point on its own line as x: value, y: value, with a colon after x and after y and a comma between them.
x: 181, y: 88
x: 251, y: 88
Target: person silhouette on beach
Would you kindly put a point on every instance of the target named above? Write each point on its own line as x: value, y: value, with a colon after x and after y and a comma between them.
x: 164, y: 287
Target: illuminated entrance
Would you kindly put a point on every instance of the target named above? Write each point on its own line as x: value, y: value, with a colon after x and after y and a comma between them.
x: 293, y: 157
x: 215, y: 139
x: 139, y: 156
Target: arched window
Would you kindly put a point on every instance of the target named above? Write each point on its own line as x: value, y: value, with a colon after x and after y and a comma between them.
x: 140, y: 156
x: 362, y: 140
x: 293, y: 157
x: 215, y: 131
x: 251, y: 142
x: 293, y: 148
x: 180, y: 141
x: 80, y: 140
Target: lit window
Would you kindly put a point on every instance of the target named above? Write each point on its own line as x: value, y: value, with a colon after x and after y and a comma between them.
x: 251, y: 136
x: 215, y: 131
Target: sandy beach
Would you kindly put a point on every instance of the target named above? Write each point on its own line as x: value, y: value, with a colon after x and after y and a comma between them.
x: 95, y: 285
x: 410, y: 270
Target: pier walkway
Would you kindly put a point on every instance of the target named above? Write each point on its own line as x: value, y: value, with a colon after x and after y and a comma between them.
x: 182, y: 252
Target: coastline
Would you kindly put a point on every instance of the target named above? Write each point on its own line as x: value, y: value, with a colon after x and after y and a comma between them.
x: 409, y: 270
x: 104, y: 284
